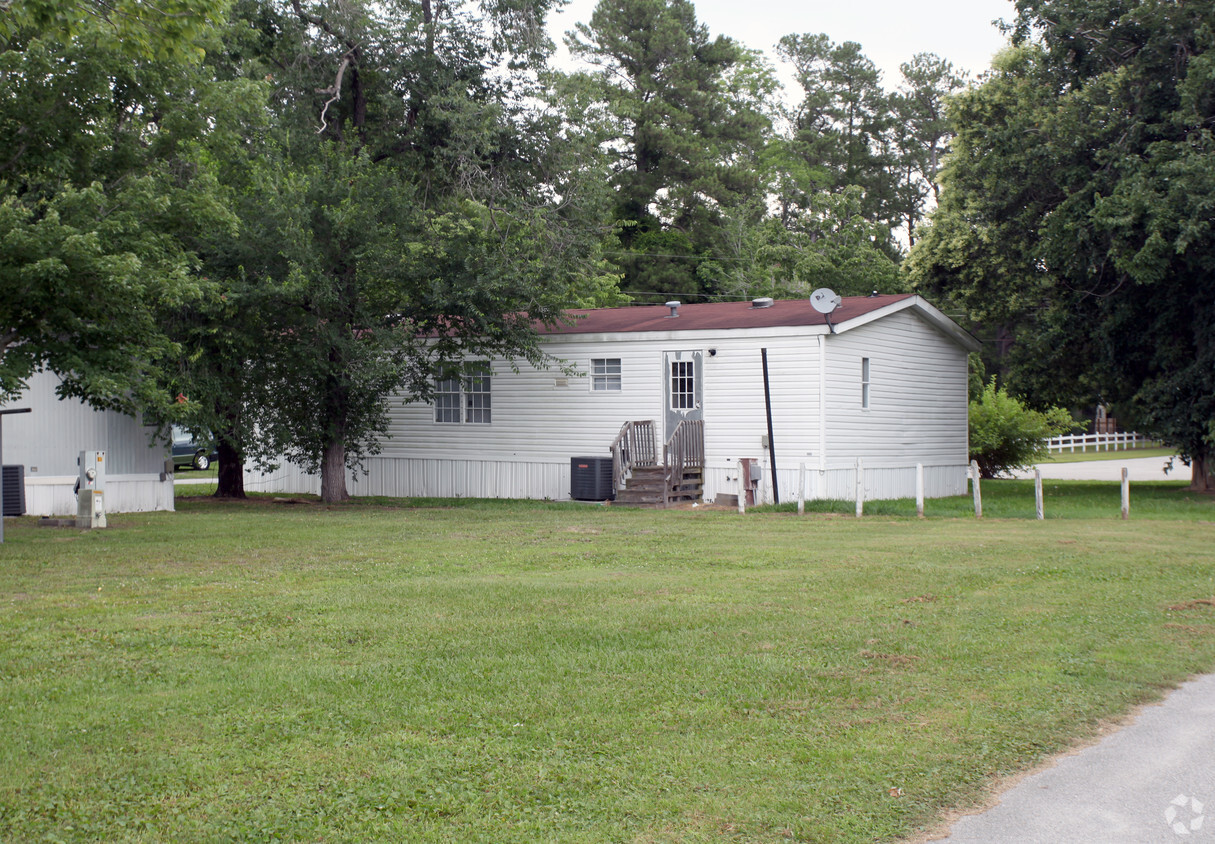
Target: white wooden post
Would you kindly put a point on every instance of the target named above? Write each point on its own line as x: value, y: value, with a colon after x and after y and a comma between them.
x: 919, y: 490
x: 801, y: 489
x: 742, y: 490
x: 1126, y: 494
x: 860, y: 488
x: 974, y: 485
x: 1041, y: 505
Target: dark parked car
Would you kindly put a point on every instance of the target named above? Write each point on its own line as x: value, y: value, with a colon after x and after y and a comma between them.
x: 190, y: 452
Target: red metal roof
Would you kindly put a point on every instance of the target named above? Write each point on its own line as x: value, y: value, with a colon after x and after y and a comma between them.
x: 717, y: 316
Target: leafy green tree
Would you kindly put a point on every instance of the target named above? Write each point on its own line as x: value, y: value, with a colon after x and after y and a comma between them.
x: 1006, y: 435
x: 167, y: 30
x: 841, y: 131
x: 99, y: 177
x: 684, y: 122
x: 1076, y: 212
x: 405, y: 209
x: 827, y: 245
x: 921, y: 133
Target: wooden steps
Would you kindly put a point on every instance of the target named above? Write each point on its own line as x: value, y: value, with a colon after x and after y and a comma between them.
x: 647, y: 487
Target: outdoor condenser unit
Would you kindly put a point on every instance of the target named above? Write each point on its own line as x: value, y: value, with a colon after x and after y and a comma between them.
x: 14, y: 490
x: 591, y: 479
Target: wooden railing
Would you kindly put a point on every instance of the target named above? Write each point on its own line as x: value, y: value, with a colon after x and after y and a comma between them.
x: 684, y: 450
x: 633, y: 446
x: 1099, y: 442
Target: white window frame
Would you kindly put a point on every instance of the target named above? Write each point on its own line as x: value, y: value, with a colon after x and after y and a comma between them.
x: 466, y: 399
x: 607, y: 375
x: 865, y: 383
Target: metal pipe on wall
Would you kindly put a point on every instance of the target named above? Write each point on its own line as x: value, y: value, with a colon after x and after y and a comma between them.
x: 771, y: 442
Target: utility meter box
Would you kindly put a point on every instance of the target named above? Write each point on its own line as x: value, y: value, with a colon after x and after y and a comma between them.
x: 90, y: 490
x: 750, y: 473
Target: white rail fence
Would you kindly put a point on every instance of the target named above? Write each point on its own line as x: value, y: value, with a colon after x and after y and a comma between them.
x: 1118, y: 441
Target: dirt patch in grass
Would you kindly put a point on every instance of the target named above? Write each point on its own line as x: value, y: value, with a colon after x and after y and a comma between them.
x: 1193, y: 605
x: 892, y: 659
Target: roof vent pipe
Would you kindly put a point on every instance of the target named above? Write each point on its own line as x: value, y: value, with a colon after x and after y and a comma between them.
x: 762, y: 302
x: 674, y: 306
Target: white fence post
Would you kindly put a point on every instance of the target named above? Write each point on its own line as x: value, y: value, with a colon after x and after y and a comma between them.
x: 974, y: 485
x: 801, y: 489
x: 919, y: 490
x: 1117, y: 441
x: 742, y: 490
x: 1126, y: 494
x: 860, y: 488
x: 1038, y: 501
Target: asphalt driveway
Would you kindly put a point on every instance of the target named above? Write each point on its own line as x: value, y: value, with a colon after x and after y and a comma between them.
x: 1138, y: 469
x: 1152, y: 781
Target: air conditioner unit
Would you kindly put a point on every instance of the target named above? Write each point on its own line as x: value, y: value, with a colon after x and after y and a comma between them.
x: 14, y: 490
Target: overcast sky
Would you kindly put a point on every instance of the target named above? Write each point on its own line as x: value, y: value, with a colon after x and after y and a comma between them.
x: 890, y: 32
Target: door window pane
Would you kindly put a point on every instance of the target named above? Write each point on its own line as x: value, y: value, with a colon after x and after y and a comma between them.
x: 683, y: 385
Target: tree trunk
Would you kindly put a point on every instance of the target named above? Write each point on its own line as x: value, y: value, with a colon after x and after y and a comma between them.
x: 231, y: 471
x: 1202, y: 478
x: 333, y: 472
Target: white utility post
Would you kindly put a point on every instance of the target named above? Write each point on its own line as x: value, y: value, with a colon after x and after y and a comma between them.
x: 1126, y: 494
x: 1038, y: 499
x: 974, y: 476
x: 90, y: 497
x: 801, y: 489
x: 860, y: 488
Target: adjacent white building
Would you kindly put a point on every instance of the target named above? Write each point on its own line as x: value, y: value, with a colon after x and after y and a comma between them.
x: 882, y: 379
x: 47, y: 442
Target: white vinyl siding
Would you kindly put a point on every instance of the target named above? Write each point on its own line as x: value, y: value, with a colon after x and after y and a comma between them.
x: 917, y: 413
x: 917, y: 405
x: 48, y: 440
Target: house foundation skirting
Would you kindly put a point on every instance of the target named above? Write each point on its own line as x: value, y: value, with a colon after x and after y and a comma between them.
x: 53, y: 495
x: 836, y: 482
x: 432, y: 477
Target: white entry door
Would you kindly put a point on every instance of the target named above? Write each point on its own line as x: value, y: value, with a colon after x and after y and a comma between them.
x: 684, y: 389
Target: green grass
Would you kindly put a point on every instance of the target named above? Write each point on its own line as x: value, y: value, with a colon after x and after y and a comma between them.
x: 189, y: 473
x: 1014, y: 499
x: 1125, y: 454
x: 513, y: 671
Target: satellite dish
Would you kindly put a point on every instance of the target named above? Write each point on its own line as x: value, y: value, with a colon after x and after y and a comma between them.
x: 824, y: 300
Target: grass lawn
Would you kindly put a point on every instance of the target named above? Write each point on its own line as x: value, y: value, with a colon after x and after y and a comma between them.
x: 519, y: 672
x: 186, y: 473
x: 1125, y: 454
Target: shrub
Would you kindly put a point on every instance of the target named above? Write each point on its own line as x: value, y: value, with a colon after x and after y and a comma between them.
x: 1007, y: 435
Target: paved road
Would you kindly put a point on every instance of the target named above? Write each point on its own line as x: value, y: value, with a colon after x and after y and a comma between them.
x: 1153, y: 781
x: 1138, y: 468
